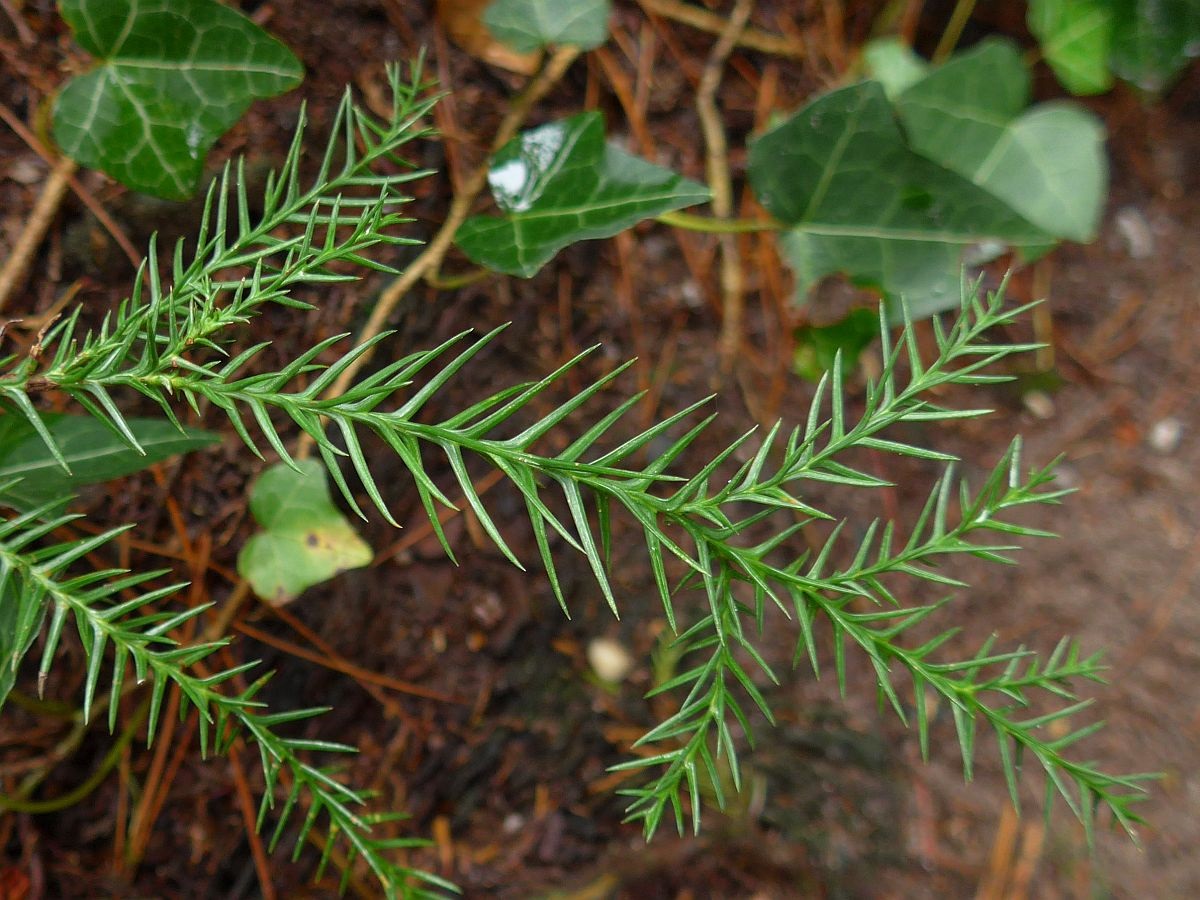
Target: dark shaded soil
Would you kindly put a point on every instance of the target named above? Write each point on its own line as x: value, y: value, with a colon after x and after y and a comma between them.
x: 507, y: 769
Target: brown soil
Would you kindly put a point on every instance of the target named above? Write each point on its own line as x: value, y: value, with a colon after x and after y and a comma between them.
x: 508, y: 769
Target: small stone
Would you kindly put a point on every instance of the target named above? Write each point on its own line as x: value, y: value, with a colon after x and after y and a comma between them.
x: 1135, y: 230
x: 690, y: 292
x: 27, y: 170
x: 1039, y: 403
x: 1166, y: 434
x: 437, y: 640
x: 1066, y: 477
x: 609, y: 659
x: 983, y: 253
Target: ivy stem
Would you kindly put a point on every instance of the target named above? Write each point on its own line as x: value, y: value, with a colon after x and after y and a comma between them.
x: 18, y: 803
x: 459, y: 280
x: 954, y: 29
x: 711, y: 225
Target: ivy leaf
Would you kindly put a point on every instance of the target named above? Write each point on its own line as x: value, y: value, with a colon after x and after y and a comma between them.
x: 893, y: 64
x: 171, y: 77
x: 818, y: 346
x: 305, y: 540
x: 1075, y: 36
x: 94, y: 452
x: 562, y: 183
x: 1153, y: 40
x: 861, y: 201
x: 1047, y: 163
x: 529, y: 25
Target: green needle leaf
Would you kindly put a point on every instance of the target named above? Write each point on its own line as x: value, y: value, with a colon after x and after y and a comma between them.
x: 21, y: 617
x: 305, y: 540
x: 171, y: 77
x: 561, y: 183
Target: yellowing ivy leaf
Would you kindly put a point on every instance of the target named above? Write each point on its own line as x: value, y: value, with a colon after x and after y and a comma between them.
x: 305, y: 538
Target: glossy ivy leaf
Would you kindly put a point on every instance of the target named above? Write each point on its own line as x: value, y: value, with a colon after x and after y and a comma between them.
x: 818, y: 346
x: 93, y: 451
x: 1153, y: 40
x: 171, y: 77
x: 861, y: 201
x: 529, y: 25
x: 1146, y: 42
x: 305, y: 539
x: 1047, y: 163
x: 562, y: 183
x: 893, y: 64
x: 1076, y: 38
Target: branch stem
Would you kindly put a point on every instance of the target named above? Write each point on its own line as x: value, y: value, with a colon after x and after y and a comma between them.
x: 717, y: 169
x: 713, y: 225
x: 954, y: 29
x: 93, y: 781
x: 704, y: 20
x: 16, y: 267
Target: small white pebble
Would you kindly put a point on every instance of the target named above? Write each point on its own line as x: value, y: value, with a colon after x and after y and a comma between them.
x: 26, y: 170
x: 437, y: 640
x: 983, y: 253
x: 513, y: 823
x: 1066, y: 476
x: 1039, y: 403
x: 690, y: 292
x: 1166, y: 434
x: 609, y: 659
x: 1135, y: 230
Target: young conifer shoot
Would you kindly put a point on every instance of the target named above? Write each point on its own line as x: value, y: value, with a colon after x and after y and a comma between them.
x: 719, y: 580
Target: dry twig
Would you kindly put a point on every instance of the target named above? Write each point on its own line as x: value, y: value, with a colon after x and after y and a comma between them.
x: 245, y: 804
x: 16, y: 266
x: 24, y: 33
x: 85, y: 196
x: 717, y: 170
x: 703, y: 20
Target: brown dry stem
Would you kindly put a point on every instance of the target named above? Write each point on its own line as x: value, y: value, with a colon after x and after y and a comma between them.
x: 85, y: 196
x: 703, y: 20
x: 16, y: 266
x: 719, y: 180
